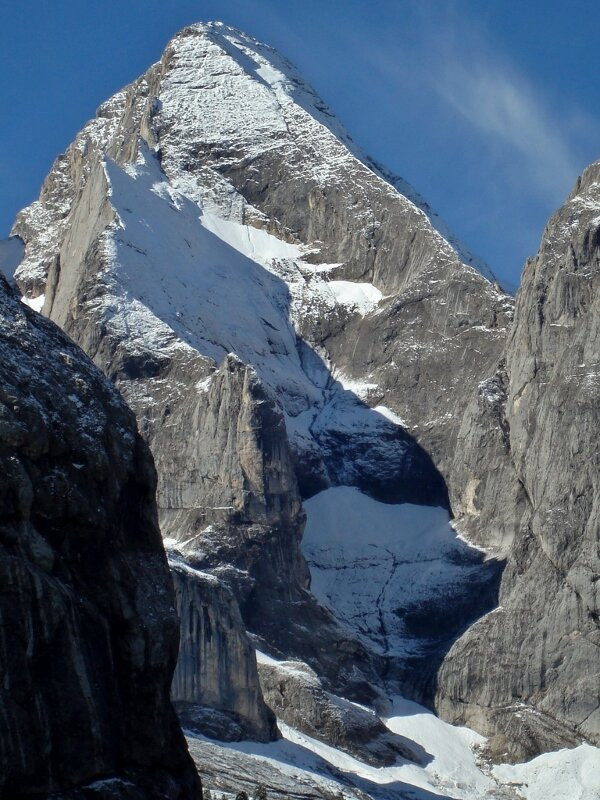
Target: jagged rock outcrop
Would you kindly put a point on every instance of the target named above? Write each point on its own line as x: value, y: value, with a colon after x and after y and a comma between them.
x: 248, y: 527
x: 296, y: 695
x: 216, y: 667
x: 542, y: 462
x: 88, y: 630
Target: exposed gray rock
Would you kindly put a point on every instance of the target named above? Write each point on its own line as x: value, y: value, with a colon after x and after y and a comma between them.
x: 488, y: 502
x: 296, y: 695
x: 88, y: 629
x: 425, y: 351
x: 236, y: 444
x: 238, y: 515
x: 232, y: 771
x: 274, y: 156
x: 544, y: 460
x: 216, y: 667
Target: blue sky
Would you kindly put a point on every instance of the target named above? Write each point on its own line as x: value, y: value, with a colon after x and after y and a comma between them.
x: 488, y: 107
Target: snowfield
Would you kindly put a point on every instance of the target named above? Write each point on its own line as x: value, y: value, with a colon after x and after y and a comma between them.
x: 453, y: 768
x: 564, y: 775
x: 372, y: 562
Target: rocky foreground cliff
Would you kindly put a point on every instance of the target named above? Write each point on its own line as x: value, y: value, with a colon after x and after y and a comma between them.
x: 88, y: 629
x: 301, y: 339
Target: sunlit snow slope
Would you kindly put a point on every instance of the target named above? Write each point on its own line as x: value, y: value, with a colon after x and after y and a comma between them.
x: 177, y: 278
x: 453, y: 766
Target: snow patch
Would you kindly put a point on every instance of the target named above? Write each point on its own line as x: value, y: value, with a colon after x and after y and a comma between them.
x: 360, y: 297
x: 37, y: 303
x: 572, y: 774
x: 361, y: 388
x: 374, y: 563
x: 391, y: 415
x: 204, y: 385
x: 252, y: 242
x: 451, y: 767
x: 263, y: 658
x: 172, y: 282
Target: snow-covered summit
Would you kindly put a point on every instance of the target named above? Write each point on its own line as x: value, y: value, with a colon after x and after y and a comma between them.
x: 270, y: 67
x: 241, y: 133
x: 263, y: 64
x: 227, y: 89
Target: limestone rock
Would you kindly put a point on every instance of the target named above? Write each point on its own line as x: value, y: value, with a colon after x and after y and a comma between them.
x: 88, y: 629
x: 296, y: 695
x: 546, y: 632
x: 216, y: 668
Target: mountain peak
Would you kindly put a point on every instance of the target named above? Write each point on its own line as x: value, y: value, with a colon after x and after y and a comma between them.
x: 257, y: 77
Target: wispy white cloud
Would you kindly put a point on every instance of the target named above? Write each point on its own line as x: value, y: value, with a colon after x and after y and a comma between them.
x: 531, y: 134
x: 495, y: 98
x: 443, y: 95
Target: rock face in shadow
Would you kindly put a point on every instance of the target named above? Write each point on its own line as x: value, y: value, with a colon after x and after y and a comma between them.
x: 544, y: 461
x: 216, y: 667
x: 88, y: 629
x: 238, y: 515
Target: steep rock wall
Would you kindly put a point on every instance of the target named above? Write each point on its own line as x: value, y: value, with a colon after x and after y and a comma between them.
x: 545, y: 455
x: 88, y: 633
x: 216, y: 667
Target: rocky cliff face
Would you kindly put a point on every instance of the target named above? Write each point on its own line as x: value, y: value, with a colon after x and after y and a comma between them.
x: 238, y: 132
x: 296, y: 695
x: 285, y: 317
x: 88, y: 630
x: 543, y: 453
x: 216, y: 667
